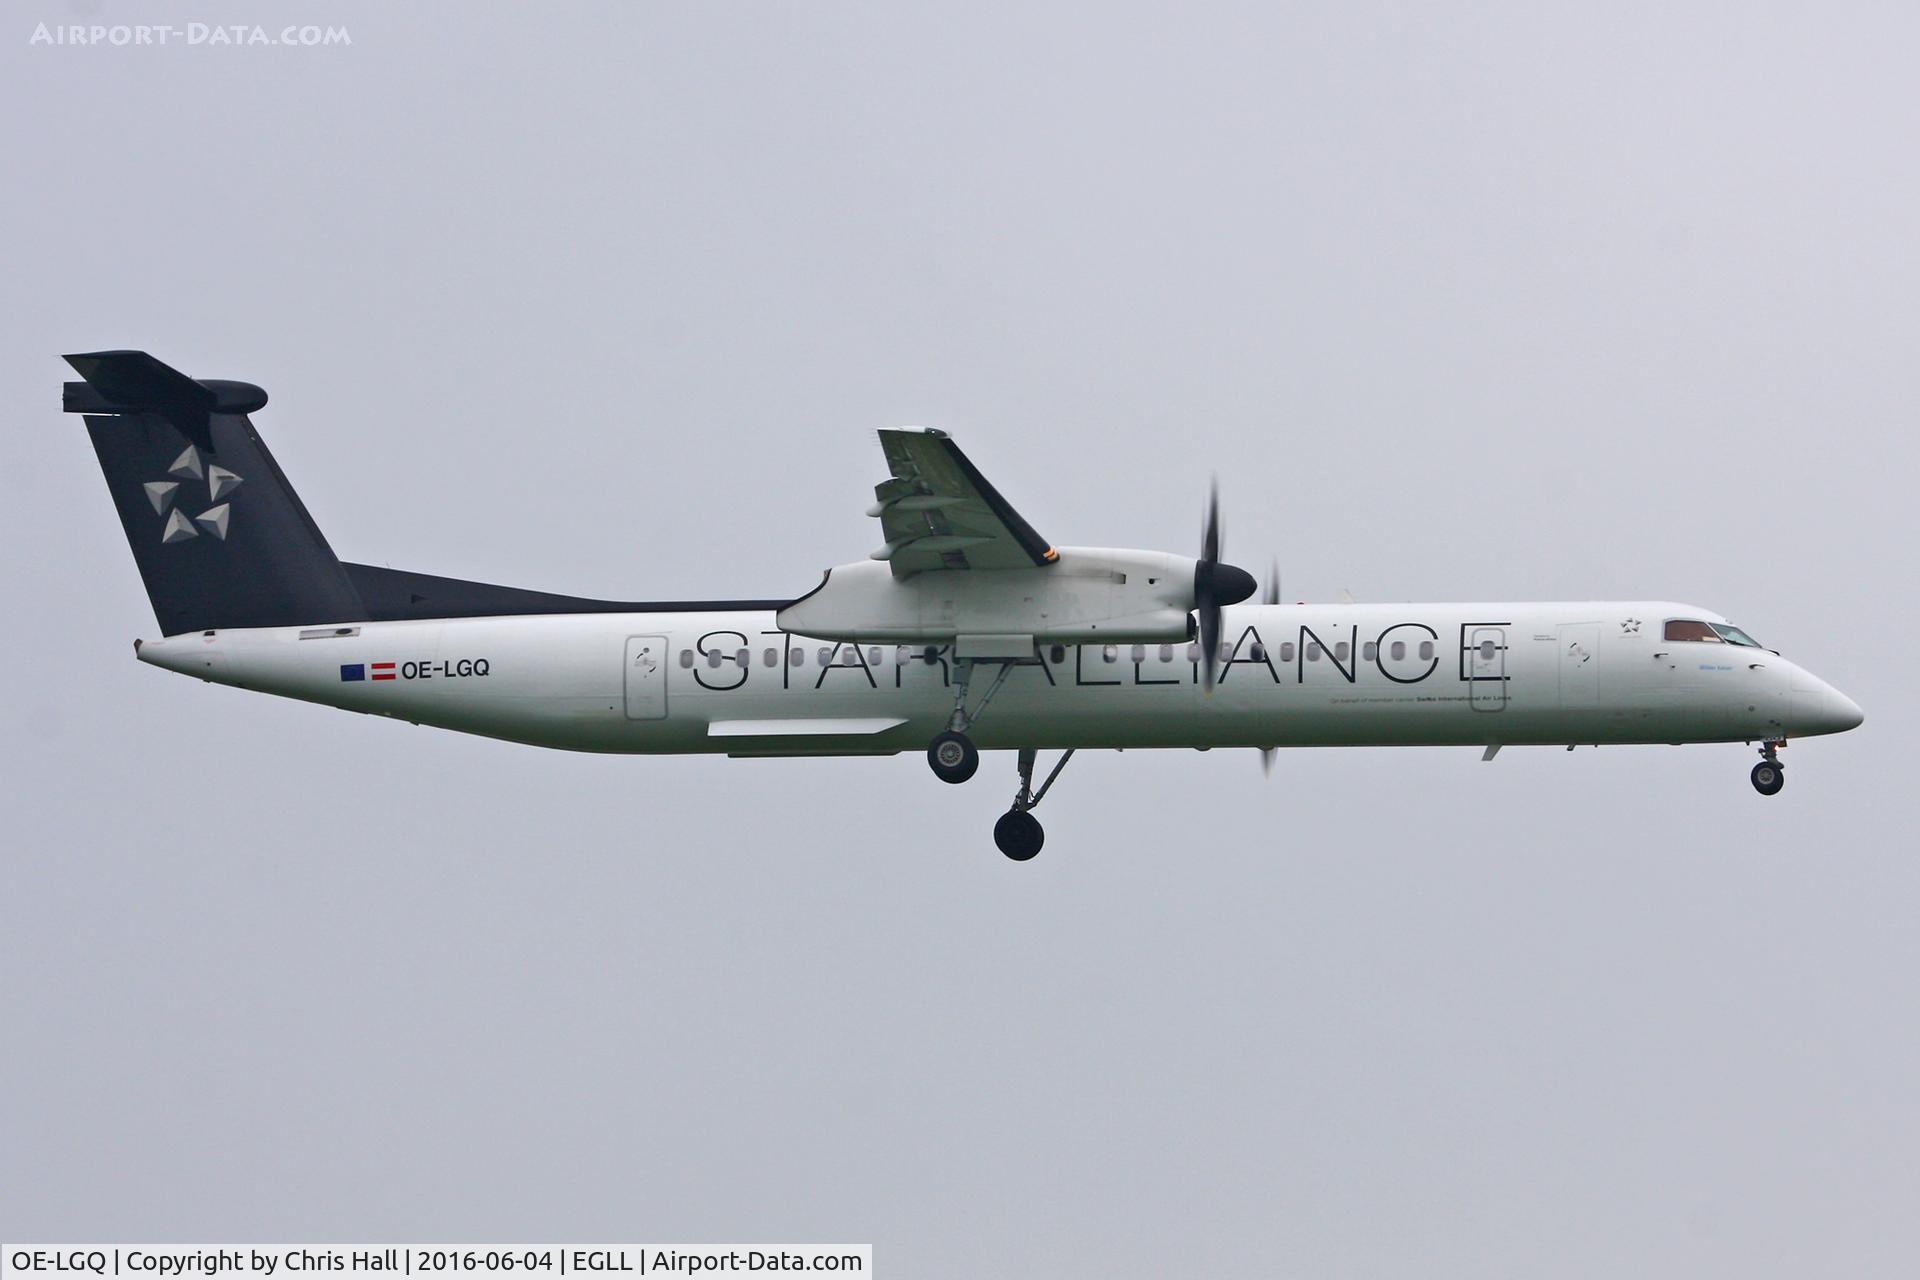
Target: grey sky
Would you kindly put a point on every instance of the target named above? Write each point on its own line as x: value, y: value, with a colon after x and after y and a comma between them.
x: 1522, y: 302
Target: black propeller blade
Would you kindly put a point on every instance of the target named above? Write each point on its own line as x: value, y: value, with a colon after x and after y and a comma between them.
x: 1215, y: 585
x: 1270, y: 596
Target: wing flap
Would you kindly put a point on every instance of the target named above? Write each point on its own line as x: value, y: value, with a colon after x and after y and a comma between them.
x: 938, y: 512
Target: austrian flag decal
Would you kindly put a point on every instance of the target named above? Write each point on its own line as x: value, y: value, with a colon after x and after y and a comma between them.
x: 421, y: 669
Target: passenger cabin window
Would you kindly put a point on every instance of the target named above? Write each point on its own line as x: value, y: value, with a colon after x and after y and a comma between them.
x: 1398, y: 649
x: 1058, y: 653
x: 1110, y: 653
x: 1340, y: 650
x: 686, y: 658
x: 1313, y: 652
x: 796, y: 656
x: 1258, y: 652
x: 1166, y: 653
x: 1426, y: 651
x: 770, y: 658
x: 1687, y: 629
x: 1139, y: 653
x: 1286, y: 651
x: 873, y: 655
x: 1369, y: 651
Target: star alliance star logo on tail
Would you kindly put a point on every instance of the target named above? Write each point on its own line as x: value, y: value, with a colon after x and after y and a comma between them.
x: 166, y: 494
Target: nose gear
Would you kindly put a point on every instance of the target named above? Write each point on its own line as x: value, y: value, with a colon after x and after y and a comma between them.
x: 1769, y: 775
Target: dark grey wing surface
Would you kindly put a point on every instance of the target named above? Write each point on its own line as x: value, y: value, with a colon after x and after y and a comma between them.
x: 938, y: 512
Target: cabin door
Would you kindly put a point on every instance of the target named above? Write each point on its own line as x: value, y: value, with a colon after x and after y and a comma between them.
x: 646, y: 678
x: 1487, y: 668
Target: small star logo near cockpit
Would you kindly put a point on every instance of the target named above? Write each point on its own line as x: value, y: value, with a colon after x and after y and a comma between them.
x: 1629, y: 626
x: 189, y: 472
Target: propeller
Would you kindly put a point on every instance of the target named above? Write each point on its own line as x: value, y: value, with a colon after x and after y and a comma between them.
x: 1215, y: 585
x: 1270, y: 596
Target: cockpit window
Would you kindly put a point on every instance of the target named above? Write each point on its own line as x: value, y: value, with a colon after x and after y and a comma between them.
x: 1688, y: 629
x: 1734, y: 635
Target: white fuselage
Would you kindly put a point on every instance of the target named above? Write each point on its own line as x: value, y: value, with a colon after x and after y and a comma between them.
x: 1298, y: 675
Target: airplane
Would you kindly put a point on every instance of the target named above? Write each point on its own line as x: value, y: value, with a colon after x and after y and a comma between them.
x: 964, y: 631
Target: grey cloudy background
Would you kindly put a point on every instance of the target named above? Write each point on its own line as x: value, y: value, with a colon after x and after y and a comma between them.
x: 1492, y: 302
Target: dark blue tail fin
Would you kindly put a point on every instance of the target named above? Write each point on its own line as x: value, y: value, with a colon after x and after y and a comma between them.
x: 219, y: 535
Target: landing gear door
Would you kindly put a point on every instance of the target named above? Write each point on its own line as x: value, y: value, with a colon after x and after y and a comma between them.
x: 646, y: 677
x: 1486, y: 663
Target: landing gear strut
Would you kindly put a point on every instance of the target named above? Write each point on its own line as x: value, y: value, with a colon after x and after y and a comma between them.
x: 952, y: 755
x: 1018, y: 833
x: 1769, y: 775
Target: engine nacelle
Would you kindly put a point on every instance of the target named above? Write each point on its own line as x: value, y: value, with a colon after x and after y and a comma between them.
x: 1089, y: 595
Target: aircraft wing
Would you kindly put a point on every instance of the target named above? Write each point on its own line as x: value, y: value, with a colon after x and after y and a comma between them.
x: 938, y: 512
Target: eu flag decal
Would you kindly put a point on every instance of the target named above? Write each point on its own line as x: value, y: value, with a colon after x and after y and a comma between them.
x: 353, y: 671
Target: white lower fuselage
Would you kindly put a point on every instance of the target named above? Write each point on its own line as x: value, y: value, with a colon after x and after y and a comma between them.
x: 1324, y: 675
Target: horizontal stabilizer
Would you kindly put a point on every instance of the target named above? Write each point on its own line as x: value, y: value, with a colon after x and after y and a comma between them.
x: 121, y: 382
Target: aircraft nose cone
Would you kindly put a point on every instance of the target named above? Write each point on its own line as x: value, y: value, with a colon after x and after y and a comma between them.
x: 1827, y: 710
x: 1232, y: 584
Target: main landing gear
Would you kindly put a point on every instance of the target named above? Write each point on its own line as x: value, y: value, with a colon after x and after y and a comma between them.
x: 952, y: 756
x: 1769, y: 775
x: 1018, y: 833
